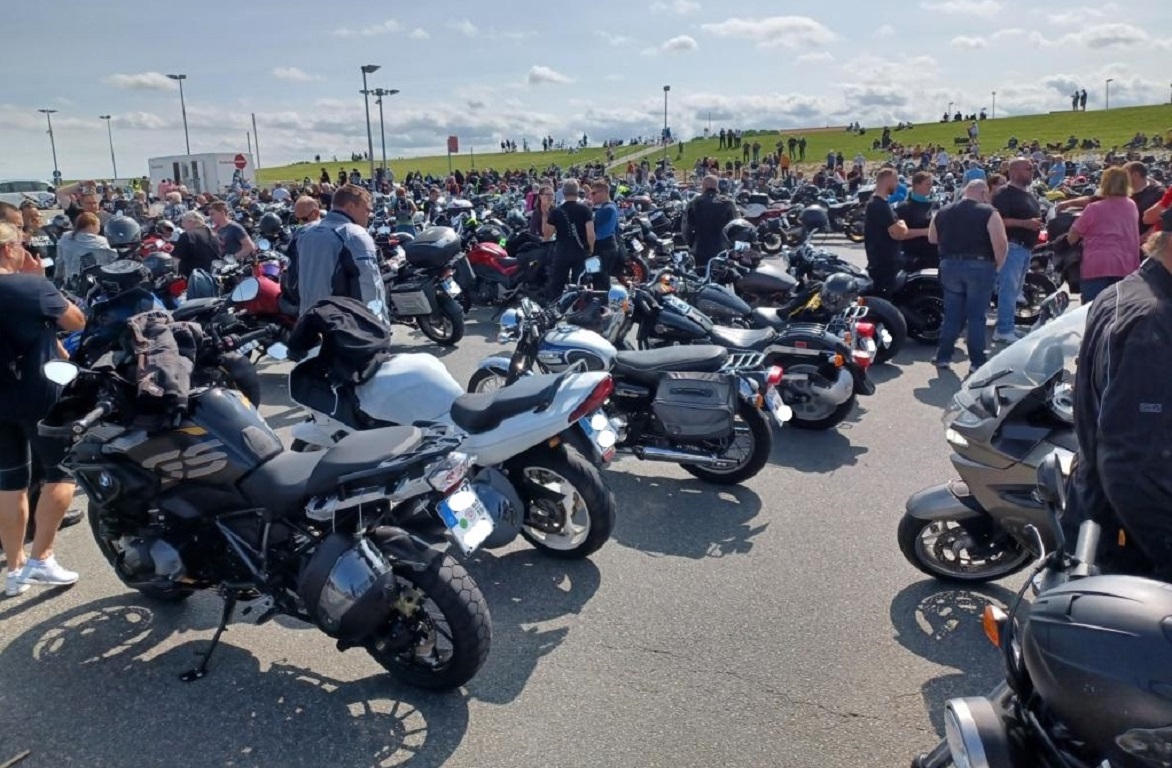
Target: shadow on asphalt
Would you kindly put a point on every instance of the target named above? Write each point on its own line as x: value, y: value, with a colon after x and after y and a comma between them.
x: 685, y: 518
x: 941, y: 387
x: 525, y: 588
x: 817, y: 452
x: 942, y: 623
x: 114, y: 702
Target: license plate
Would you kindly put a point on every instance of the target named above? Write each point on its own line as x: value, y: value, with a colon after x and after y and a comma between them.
x: 636, y: 246
x: 781, y: 412
x: 467, y: 518
x: 599, y: 433
x: 452, y: 287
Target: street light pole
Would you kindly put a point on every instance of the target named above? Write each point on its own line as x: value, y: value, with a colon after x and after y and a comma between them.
x: 366, y: 70
x: 382, y: 128
x: 666, y: 88
x: 52, y: 144
x: 994, y: 115
x: 183, y: 106
x: 1107, y: 94
x: 110, y: 134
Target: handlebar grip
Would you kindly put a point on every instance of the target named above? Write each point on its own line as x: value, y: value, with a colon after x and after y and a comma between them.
x: 90, y: 419
x: 1088, y: 543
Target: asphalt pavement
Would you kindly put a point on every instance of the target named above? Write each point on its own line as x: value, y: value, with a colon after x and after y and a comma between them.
x: 774, y: 624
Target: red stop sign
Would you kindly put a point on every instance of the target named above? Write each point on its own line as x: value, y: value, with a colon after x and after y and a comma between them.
x: 241, y: 162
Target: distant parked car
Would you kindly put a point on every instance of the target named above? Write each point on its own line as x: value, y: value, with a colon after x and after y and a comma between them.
x: 16, y: 191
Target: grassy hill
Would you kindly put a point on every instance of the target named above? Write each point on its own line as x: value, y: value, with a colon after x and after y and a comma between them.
x: 1112, y: 128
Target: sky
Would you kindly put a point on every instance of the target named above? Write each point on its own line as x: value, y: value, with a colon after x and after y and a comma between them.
x: 563, y: 69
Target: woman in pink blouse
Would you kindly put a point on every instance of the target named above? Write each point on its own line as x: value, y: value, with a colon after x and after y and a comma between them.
x: 1110, y: 250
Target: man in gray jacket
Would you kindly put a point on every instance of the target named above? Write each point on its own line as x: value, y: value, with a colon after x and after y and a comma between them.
x: 338, y: 257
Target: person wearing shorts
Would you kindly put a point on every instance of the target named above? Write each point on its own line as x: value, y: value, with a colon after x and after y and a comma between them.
x: 34, y: 310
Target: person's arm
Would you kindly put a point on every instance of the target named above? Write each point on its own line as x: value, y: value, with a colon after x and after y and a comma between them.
x: 365, y: 254
x: 1077, y: 202
x: 548, y: 230
x: 247, y: 247
x: 62, y: 311
x: 1153, y: 214
x: 999, y: 238
x: 590, y: 238
x: 933, y: 235
x: 899, y: 230
x: 1081, y: 225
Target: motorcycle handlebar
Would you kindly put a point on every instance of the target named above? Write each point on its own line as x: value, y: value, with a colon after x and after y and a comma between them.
x: 79, y: 427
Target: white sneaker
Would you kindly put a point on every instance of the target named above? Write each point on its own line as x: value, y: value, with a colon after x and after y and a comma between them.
x: 999, y: 339
x: 13, y: 586
x: 47, y: 572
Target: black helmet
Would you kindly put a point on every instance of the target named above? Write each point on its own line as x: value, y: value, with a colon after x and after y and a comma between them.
x: 122, y: 232
x: 839, y: 291
x: 489, y: 233
x: 159, y: 264
x: 740, y: 231
x: 814, y: 218
x: 516, y: 220
x: 62, y: 222
x: 269, y: 225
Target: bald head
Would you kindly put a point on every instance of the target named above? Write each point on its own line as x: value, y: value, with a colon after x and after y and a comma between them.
x: 710, y: 181
x: 307, y: 209
x: 977, y: 189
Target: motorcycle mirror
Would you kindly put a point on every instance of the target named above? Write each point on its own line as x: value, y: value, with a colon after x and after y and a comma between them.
x: 384, y: 230
x: 246, y: 290
x: 593, y: 265
x: 264, y: 245
x: 60, y: 372
x: 740, y: 246
x: 278, y: 351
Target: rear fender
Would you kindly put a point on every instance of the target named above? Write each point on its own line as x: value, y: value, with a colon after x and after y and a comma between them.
x: 498, y: 364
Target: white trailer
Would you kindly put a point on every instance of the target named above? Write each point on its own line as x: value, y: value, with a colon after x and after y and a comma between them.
x: 212, y: 172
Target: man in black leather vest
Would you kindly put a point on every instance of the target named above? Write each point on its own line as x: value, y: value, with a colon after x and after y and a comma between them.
x: 972, y: 241
x: 704, y: 221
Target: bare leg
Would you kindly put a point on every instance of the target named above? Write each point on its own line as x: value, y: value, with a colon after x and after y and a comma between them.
x: 13, y: 521
x: 54, y: 503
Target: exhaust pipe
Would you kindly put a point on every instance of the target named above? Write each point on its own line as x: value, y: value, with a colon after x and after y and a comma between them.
x: 652, y: 453
x: 836, y: 392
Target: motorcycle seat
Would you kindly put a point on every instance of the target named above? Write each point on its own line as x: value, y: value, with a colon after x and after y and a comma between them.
x: 481, y: 412
x: 770, y: 317
x: 646, y: 365
x: 754, y: 339
x: 284, y: 483
x: 842, y: 206
x: 193, y: 309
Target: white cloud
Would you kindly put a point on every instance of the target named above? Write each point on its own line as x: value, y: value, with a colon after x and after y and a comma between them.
x: 971, y: 43
x: 382, y: 28
x: 143, y: 81
x: 1004, y: 34
x: 614, y: 39
x: 680, y: 44
x: 419, y: 34
x: 885, y: 30
x: 821, y: 57
x: 465, y: 28
x: 295, y: 75
x: 1081, y: 16
x: 614, y: 78
x: 1102, y: 36
x: 986, y: 8
x: 784, y: 31
x: 539, y: 75
x: 681, y: 7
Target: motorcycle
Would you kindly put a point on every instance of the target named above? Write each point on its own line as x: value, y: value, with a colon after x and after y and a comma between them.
x: 530, y: 441
x: 422, y: 290
x: 699, y: 407
x: 1084, y: 632
x: 212, y: 502
x: 1007, y: 417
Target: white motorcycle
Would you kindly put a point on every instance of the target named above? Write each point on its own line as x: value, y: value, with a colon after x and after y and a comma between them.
x: 535, y: 444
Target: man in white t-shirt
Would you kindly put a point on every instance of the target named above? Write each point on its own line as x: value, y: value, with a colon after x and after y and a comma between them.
x: 942, y: 161
x: 280, y: 194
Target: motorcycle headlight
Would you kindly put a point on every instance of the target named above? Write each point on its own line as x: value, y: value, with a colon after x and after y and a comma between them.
x: 976, y: 736
x: 955, y: 438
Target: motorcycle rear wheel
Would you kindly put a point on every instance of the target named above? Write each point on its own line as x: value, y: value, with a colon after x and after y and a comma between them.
x: 885, y: 316
x: 817, y: 419
x: 446, y: 326
x: 582, y: 521
x: 450, y: 589
x: 854, y: 230
x: 1037, y: 287
x: 931, y: 308
x: 1002, y: 557
x: 757, y: 425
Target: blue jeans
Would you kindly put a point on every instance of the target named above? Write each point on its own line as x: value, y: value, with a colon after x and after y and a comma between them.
x: 968, y: 286
x: 1010, y: 281
x: 1092, y: 287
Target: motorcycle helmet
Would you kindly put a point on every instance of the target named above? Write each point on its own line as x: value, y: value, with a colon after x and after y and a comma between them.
x: 814, y: 218
x: 62, y: 222
x: 489, y: 233
x: 159, y: 263
x: 271, y: 269
x: 165, y: 229
x: 510, y: 326
x: 516, y: 220
x: 269, y: 225
x: 740, y: 231
x: 123, y: 232
x: 345, y: 586
x: 591, y: 312
x: 838, y: 292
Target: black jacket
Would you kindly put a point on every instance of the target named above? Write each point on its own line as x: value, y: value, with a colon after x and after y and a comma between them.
x: 165, y: 351
x: 704, y: 223
x: 195, y: 250
x: 1123, y: 419
x: 354, y: 342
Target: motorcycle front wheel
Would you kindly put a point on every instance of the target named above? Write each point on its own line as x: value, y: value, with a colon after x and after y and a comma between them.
x: 440, y: 633
x: 854, y: 229
x: 751, y: 445
x: 569, y: 510
x: 446, y: 326
x: 944, y: 550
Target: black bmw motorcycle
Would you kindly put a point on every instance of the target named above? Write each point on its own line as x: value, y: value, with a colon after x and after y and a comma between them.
x: 207, y: 498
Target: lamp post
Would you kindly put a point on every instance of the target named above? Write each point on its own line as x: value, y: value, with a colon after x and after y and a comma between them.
x: 110, y: 134
x: 1107, y: 93
x: 382, y: 129
x: 666, y: 88
x: 993, y: 116
x: 366, y: 70
x: 52, y: 144
x: 183, y: 106
x: 948, y: 113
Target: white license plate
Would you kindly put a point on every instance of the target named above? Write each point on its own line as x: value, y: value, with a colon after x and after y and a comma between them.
x: 781, y: 412
x: 452, y: 287
x: 467, y: 518
x: 636, y: 246
x: 599, y: 433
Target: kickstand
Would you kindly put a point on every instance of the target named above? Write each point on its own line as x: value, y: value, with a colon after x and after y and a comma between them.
x: 196, y: 674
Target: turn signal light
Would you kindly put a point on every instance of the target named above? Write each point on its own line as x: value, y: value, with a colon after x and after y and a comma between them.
x: 597, y: 397
x: 773, y: 378
x: 862, y: 358
x: 866, y: 330
x: 839, y: 361
x: 993, y: 620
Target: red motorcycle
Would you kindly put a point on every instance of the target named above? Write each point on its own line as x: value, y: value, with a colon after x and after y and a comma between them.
x: 491, y: 277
